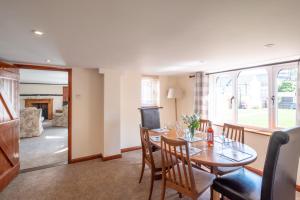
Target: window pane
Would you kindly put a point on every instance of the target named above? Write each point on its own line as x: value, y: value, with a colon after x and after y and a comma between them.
x: 286, y: 98
x: 223, y: 98
x: 150, y: 92
x: 253, y: 98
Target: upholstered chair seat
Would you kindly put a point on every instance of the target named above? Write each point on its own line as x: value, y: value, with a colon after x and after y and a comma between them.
x: 242, y: 184
x: 279, y: 176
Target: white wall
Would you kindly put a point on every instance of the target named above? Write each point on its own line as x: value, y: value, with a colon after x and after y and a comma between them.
x: 87, y: 112
x: 42, y: 89
x: 130, y: 115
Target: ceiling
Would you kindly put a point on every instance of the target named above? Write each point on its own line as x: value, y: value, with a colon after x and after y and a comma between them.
x: 43, y: 76
x: 154, y: 37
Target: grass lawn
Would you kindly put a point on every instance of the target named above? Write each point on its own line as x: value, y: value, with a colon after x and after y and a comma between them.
x: 259, y: 117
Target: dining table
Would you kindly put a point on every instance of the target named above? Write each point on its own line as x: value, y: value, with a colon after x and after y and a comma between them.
x: 223, y: 153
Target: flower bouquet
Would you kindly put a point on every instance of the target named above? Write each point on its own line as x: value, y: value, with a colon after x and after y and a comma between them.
x: 192, y: 123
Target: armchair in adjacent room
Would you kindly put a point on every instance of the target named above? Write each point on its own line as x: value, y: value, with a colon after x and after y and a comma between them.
x: 61, y: 119
x: 31, y: 122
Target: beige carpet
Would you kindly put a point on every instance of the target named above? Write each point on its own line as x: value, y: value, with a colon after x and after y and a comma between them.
x: 91, y: 180
x: 51, y: 147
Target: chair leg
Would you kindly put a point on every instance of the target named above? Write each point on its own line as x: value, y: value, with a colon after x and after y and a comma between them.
x: 142, y: 172
x: 163, y: 189
x: 180, y: 195
x: 151, y: 186
x: 211, y: 193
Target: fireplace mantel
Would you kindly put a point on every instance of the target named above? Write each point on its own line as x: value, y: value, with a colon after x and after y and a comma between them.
x: 30, y: 102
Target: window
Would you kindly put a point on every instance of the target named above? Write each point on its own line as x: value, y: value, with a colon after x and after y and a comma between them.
x: 262, y: 98
x: 252, y: 98
x: 224, y: 98
x: 286, y: 98
x: 150, y: 91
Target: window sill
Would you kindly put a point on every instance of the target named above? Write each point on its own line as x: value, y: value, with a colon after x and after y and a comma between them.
x: 251, y: 130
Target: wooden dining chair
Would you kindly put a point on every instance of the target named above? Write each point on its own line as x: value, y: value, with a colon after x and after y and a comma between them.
x: 151, y: 159
x: 235, y: 133
x: 182, y: 177
x: 204, y: 124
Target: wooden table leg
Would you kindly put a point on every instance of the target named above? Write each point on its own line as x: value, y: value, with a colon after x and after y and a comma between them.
x: 216, y: 195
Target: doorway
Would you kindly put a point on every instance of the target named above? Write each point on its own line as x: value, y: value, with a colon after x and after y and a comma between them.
x: 45, y: 117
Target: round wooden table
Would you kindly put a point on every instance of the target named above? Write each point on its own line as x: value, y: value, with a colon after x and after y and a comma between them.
x: 212, y: 156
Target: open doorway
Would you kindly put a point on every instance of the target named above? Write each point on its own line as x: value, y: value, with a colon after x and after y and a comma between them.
x: 44, y: 116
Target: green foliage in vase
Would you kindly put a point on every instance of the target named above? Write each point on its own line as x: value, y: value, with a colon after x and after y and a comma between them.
x: 192, y: 121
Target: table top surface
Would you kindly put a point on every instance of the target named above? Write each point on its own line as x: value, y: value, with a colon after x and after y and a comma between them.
x: 212, y: 155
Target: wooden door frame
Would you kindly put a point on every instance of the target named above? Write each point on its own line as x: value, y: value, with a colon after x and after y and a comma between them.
x: 57, y: 68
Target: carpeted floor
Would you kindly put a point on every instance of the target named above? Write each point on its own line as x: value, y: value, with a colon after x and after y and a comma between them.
x: 91, y: 180
x: 51, y: 147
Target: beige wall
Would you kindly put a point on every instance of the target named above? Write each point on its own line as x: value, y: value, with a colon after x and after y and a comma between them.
x: 167, y: 113
x: 87, y: 110
x: 112, y: 112
x: 130, y: 115
x: 185, y: 104
x: 42, y: 89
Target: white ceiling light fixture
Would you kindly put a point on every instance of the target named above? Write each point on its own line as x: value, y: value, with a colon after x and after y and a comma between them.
x: 269, y: 45
x: 37, y: 32
x: 48, y: 61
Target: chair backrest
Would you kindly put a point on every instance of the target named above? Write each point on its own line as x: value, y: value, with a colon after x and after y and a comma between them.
x: 236, y: 133
x: 150, y: 117
x: 281, y: 165
x: 204, y: 124
x: 31, y: 112
x: 146, y: 145
x: 179, y: 174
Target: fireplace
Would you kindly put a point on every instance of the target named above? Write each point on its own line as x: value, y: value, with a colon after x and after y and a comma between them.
x: 44, y: 107
x: 45, y: 104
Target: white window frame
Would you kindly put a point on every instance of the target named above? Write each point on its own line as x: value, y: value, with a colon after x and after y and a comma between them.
x: 157, y: 100
x: 272, y: 72
x: 275, y: 71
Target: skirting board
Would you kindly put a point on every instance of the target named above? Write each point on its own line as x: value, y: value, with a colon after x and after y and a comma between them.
x: 260, y: 172
x: 130, y: 149
x: 86, y: 158
x: 107, y: 158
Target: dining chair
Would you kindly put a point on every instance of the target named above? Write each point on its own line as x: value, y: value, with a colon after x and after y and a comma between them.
x: 235, y: 133
x: 151, y: 159
x: 279, y: 176
x: 204, y: 124
x: 150, y: 117
x: 182, y: 177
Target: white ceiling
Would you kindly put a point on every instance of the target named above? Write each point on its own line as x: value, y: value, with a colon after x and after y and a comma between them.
x: 43, y: 76
x: 155, y: 37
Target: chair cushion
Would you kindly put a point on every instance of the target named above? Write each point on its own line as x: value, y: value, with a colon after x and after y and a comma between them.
x: 203, y: 179
x: 239, y: 185
x: 158, y: 160
x: 225, y: 170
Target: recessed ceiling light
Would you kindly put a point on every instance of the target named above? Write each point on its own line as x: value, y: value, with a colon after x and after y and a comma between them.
x: 37, y: 32
x: 269, y: 45
x: 192, y: 63
x: 48, y: 60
